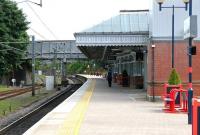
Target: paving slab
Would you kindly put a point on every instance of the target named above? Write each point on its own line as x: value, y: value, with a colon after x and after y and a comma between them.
x: 125, y: 111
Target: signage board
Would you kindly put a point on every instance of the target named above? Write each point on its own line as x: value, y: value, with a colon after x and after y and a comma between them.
x: 190, y: 27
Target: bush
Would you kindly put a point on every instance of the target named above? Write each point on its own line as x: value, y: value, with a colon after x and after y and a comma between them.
x: 174, y: 78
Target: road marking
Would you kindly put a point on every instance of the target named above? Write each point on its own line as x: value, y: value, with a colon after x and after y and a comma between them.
x: 72, y: 123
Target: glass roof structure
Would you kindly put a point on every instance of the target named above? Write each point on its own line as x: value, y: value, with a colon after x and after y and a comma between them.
x: 133, y: 22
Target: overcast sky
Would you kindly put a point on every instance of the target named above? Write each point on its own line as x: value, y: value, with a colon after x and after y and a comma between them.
x: 64, y: 17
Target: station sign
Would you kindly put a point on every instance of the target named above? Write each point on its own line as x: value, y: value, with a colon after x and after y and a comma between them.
x: 190, y: 27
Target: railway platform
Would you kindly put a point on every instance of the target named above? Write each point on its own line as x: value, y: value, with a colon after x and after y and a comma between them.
x: 96, y: 109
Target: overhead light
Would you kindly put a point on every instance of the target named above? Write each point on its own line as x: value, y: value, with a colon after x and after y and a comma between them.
x: 160, y: 1
x: 186, y: 4
x: 186, y: 1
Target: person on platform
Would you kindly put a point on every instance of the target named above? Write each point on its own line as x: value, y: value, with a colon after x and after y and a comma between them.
x: 109, y: 77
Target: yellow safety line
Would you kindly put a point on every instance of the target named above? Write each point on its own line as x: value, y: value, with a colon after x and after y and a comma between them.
x: 72, y: 123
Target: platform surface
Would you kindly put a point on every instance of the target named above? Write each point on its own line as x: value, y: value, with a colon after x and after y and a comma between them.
x: 97, y: 109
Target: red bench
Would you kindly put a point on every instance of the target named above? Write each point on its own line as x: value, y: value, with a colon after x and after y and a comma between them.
x: 171, y: 100
x: 167, y: 90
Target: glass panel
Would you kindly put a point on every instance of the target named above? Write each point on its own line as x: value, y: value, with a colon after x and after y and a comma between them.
x: 125, y: 23
x: 116, y: 21
x: 107, y: 26
x: 131, y: 69
x: 134, y: 23
x: 137, y: 69
x: 98, y: 28
x: 143, y: 22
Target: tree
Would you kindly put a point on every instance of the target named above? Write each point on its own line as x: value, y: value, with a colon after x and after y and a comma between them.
x: 174, y: 78
x: 13, y: 26
x: 85, y: 66
x: 77, y: 67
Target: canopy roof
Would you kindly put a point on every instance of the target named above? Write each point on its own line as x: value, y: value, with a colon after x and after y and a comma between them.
x: 125, y: 22
x: 128, y: 30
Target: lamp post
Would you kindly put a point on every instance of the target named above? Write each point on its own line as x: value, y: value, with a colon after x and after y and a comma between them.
x: 160, y: 2
x: 33, y: 53
x: 190, y: 90
x: 33, y: 65
x: 55, y: 51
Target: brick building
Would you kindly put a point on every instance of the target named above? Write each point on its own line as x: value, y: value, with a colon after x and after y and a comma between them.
x: 161, y: 37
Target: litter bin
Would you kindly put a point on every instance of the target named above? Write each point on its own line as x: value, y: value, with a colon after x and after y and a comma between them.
x: 196, y: 116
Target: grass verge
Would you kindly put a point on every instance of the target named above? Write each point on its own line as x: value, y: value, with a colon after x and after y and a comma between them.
x: 3, y: 88
x: 13, y: 104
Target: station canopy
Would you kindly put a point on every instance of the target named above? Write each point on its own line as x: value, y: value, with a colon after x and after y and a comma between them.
x: 128, y: 31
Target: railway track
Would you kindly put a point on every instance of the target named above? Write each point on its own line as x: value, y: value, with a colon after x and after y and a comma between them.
x: 13, y: 93
x: 19, y: 126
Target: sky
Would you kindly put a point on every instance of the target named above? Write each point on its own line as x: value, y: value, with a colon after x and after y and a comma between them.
x: 59, y: 19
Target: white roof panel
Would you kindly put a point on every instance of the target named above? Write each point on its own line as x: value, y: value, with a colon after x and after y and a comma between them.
x: 124, y: 22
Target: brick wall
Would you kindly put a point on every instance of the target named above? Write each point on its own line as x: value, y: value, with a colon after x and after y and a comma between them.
x: 162, y: 65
